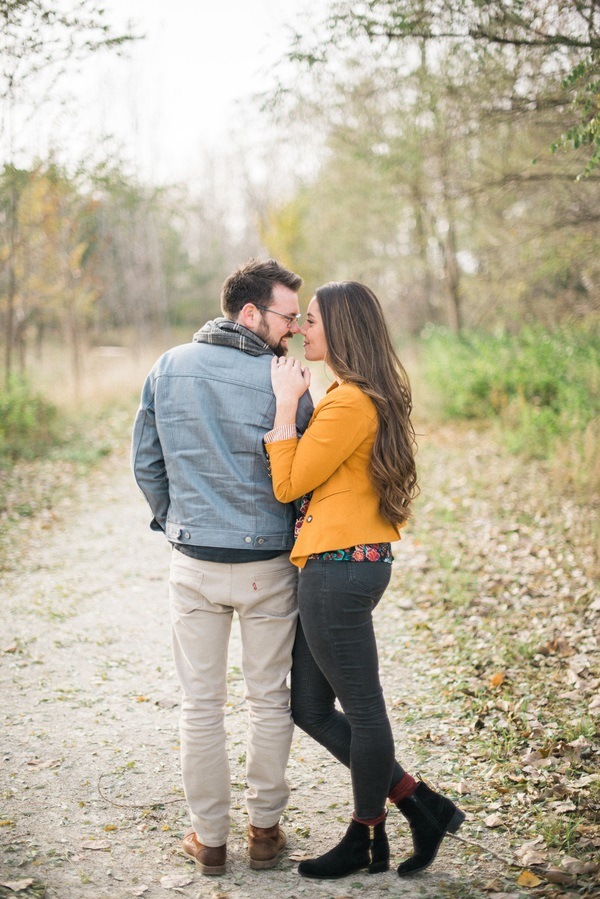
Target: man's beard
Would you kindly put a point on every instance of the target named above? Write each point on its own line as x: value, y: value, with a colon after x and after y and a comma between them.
x: 263, y: 332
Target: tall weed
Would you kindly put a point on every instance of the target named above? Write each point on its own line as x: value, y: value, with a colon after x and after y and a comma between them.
x: 541, y: 387
x: 29, y: 424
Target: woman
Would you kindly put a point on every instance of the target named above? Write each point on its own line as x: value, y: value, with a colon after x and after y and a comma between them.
x: 355, y: 469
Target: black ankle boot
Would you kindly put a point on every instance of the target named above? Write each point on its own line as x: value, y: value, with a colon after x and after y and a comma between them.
x: 361, y: 847
x: 430, y: 816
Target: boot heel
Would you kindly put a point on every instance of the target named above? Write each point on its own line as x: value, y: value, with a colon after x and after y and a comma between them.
x: 378, y: 867
x: 456, y: 820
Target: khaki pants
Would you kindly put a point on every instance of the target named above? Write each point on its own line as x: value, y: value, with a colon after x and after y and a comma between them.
x: 203, y: 597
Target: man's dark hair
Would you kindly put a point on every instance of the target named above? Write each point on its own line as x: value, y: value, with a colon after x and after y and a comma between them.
x: 254, y: 283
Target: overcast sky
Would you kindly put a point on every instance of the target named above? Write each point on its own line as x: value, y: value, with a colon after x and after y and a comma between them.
x: 175, y: 92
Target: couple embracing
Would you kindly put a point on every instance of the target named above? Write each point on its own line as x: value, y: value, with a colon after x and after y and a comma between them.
x: 285, y: 514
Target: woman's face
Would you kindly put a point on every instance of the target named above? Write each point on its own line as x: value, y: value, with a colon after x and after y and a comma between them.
x: 315, y: 348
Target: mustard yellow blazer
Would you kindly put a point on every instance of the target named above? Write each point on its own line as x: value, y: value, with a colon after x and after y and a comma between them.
x: 331, y: 460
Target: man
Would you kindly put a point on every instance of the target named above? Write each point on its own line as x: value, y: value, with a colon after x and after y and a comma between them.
x: 198, y: 457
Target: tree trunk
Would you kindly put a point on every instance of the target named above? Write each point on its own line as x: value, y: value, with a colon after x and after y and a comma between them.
x: 11, y: 290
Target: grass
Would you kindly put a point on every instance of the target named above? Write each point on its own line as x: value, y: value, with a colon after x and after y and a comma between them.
x: 540, y: 388
x: 53, y: 431
x: 29, y: 424
x: 31, y: 481
x: 502, y: 618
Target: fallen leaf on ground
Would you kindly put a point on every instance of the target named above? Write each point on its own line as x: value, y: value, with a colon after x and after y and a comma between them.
x: 38, y: 763
x: 532, y: 757
x: 577, y: 866
x: 527, y: 847
x: 493, y: 820
x: 172, y: 881
x: 138, y: 891
x: 531, y: 853
x: 17, y: 885
x: 580, y: 743
x: 96, y: 844
x: 497, y: 679
x: 528, y: 879
x: 533, y: 857
x: 560, y: 646
x: 493, y: 886
x: 555, y: 875
x: 562, y: 807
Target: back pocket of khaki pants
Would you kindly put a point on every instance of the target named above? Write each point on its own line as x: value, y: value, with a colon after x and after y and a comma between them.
x: 184, y: 591
x: 276, y: 592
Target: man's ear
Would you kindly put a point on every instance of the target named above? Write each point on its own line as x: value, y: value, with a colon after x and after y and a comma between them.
x: 249, y: 317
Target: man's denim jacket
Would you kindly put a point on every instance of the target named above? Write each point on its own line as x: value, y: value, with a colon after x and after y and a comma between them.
x: 198, y: 453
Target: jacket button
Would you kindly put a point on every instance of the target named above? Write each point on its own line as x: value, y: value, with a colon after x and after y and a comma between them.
x: 187, y: 535
x: 247, y: 539
x: 309, y: 518
x: 261, y: 540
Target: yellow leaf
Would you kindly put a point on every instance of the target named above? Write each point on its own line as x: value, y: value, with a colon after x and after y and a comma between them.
x: 141, y: 699
x: 528, y: 879
x: 497, y: 679
x: 109, y: 827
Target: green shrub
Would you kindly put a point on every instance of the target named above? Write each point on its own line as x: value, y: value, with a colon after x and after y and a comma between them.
x: 28, y: 423
x: 542, y: 387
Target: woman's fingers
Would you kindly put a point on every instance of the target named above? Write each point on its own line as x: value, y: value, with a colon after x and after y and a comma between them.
x: 288, y: 376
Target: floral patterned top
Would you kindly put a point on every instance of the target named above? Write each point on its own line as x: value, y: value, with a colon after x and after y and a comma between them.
x: 363, y: 552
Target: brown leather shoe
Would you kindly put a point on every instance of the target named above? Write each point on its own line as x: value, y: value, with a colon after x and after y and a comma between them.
x: 209, y: 859
x: 264, y: 845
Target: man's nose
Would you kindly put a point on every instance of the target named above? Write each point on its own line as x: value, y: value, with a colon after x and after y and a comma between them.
x: 295, y: 328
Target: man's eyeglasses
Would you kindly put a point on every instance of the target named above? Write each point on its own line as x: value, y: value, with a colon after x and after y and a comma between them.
x: 290, y: 319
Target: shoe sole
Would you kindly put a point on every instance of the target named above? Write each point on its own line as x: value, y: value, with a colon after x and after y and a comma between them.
x: 210, y: 870
x: 265, y: 864
x: 330, y: 876
x: 368, y: 869
x: 207, y: 870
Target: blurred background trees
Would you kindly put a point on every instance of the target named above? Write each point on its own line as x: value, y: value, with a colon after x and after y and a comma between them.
x: 455, y: 171
x: 446, y: 153
x: 460, y: 174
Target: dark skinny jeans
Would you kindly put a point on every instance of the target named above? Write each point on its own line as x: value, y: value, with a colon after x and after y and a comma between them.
x: 335, y: 655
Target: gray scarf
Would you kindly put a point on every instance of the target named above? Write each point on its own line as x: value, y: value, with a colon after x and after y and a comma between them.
x: 224, y: 332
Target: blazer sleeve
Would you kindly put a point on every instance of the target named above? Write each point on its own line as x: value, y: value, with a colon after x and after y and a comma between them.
x: 298, y: 466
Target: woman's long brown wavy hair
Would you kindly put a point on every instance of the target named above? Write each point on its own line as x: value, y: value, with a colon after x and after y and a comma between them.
x: 360, y: 351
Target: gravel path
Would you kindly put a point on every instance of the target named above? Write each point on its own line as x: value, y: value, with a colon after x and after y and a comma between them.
x: 91, y: 800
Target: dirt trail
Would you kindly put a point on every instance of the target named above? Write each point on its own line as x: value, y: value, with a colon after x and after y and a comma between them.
x: 90, y: 725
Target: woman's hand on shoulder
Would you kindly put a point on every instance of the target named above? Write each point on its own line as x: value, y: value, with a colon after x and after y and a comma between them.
x: 289, y: 378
